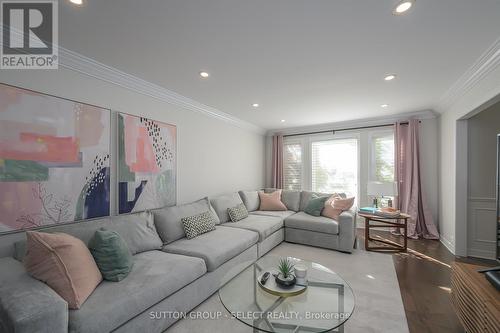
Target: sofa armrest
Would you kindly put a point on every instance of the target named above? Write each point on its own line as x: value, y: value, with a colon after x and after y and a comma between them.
x: 28, y: 305
x: 347, y: 229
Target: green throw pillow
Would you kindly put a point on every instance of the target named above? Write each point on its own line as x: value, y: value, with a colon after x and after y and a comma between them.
x: 315, y: 205
x: 111, y: 255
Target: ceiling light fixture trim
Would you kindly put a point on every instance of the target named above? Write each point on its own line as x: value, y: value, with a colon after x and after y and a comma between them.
x: 403, y: 6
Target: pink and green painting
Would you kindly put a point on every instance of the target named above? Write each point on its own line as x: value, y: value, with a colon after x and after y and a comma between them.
x: 146, y: 164
x: 54, y: 160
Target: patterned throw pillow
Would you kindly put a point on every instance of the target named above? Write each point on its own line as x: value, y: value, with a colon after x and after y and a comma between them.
x: 237, y: 213
x: 198, y: 224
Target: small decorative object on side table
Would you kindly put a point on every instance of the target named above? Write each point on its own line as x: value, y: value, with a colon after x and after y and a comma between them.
x: 381, y: 189
x: 399, y: 221
x: 285, y: 277
x: 284, y: 284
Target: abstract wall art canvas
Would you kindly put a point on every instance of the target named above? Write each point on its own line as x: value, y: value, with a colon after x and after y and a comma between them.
x: 146, y: 164
x: 54, y: 160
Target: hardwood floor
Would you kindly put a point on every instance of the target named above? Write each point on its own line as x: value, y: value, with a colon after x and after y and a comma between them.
x: 424, y: 280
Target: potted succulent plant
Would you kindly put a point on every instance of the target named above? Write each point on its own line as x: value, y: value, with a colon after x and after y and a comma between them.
x: 285, y: 276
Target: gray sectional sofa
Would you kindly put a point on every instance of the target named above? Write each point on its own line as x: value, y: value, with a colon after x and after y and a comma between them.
x: 171, y: 272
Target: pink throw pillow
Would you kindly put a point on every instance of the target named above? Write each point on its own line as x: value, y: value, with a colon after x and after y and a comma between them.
x: 271, y: 201
x: 64, y: 263
x: 335, y: 205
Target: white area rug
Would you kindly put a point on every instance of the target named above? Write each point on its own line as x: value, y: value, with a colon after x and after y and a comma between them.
x: 371, y: 275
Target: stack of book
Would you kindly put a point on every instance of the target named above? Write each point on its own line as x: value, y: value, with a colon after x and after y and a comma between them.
x: 383, y: 212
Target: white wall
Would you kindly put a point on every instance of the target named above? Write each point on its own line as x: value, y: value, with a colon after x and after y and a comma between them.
x: 453, y: 226
x: 429, y: 164
x: 429, y: 150
x: 483, y: 129
x: 214, y: 156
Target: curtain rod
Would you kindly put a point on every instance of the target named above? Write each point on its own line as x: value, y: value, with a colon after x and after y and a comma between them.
x: 333, y: 131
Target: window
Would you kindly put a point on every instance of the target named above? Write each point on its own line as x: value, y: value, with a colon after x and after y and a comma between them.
x: 292, y: 166
x: 334, y: 166
x: 382, y: 160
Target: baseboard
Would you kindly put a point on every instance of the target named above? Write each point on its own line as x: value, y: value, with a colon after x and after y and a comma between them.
x: 483, y: 254
x: 449, y: 245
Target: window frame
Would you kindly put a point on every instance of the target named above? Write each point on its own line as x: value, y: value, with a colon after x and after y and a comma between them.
x: 338, y: 136
x: 371, y: 152
x: 365, y: 156
x: 294, y: 141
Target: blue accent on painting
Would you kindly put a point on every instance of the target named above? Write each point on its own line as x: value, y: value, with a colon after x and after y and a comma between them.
x: 97, y: 202
x: 125, y: 206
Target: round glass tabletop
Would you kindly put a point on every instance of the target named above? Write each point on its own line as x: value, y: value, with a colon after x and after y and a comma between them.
x: 326, y: 304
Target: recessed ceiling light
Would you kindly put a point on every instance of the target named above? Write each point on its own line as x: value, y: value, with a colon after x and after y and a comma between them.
x: 76, y: 2
x: 384, y: 105
x: 204, y: 75
x: 402, y: 7
x: 255, y: 105
x: 390, y: 77
x: 283, y: 120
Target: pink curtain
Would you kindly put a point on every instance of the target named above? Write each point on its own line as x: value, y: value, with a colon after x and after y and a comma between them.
x: 411, y: 199
x: 277, y: 171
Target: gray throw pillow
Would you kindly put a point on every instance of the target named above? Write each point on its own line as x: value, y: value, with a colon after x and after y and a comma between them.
x: 237, y: 213
x: 198, y: 224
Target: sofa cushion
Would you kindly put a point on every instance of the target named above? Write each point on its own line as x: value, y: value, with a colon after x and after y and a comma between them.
x: 26, y: 304
x: 250, y: 199
x: 215, y: 247
x: 223, y: 202
x: 198, y: 224
x: 64, y: 263
x: 168, y: 220
x: 263, y: 224
x: 305, y: 221
x: 237, y: 213
x: 290, y: 198
x: 283, y: 214
x: 137, y: 230
x: 155, y: 276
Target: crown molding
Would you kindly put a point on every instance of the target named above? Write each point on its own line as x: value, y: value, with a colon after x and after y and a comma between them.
x: 78, y: 63
x: 84, y: 65
x: 486, y: 64
x: 425, y: 114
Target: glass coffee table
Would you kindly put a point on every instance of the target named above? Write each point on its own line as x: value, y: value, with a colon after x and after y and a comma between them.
x: 325, y: 305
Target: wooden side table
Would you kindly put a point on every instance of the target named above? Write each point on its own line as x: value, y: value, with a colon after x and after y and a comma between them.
x: 399, y: 222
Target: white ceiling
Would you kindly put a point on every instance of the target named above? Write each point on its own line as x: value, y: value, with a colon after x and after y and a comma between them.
x: 306, y: 61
